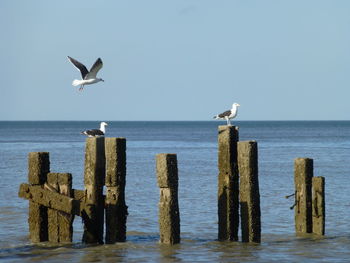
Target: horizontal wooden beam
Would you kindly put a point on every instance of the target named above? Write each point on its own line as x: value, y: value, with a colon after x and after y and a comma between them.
x: 50, y: 199
x: 78, y: 194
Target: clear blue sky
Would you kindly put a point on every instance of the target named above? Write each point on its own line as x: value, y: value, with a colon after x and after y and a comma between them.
x: 176, y: 60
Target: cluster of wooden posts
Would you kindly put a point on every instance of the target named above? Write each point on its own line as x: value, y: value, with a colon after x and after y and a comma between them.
x: 309, y: 195
x: 53, y: 203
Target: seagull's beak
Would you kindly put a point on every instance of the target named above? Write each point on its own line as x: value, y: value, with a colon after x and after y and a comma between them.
x: 238, y: 105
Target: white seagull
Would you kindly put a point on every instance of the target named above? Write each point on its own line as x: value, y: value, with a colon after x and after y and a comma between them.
x: 88, y: 77
x: 96, y: 132
x: 229, y: 114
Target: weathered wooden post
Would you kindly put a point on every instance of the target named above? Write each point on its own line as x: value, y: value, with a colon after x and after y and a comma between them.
x: 318, y: 205
x: 38, y: 168
x: 60, y: 224
x: 116, y: 209
x: 303, y: 173
x: 94, y: 178
x: 169, y: 215
x: 249, y: 191
x: 228, y: 183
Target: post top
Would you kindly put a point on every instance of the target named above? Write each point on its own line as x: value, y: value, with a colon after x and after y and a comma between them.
x: 301, y: 159
x: 33, y: 154
x: 166, y: 166
x: 247, y: 143
x: 164, y: 155
x: 227, y: 127
x: 91, y: 139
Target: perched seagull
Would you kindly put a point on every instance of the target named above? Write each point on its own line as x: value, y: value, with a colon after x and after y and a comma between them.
x: 96, y: 132
x: 88, y: 77
x: 229, y: 114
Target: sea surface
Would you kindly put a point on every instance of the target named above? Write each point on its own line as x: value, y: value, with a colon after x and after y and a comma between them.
x: 195, y: 143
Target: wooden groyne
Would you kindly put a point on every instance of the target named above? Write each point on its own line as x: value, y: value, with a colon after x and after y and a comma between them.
x: 238, y: 187
x: 53, y: 203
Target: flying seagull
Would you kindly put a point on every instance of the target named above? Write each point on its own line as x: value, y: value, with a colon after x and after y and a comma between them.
x: 96, y: 132
x: 229, y: 114
x: 88, y: 77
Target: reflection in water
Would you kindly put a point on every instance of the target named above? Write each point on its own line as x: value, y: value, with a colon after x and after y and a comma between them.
x: 146, y: 248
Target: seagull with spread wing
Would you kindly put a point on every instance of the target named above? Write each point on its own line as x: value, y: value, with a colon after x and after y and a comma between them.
x: 88, y: 77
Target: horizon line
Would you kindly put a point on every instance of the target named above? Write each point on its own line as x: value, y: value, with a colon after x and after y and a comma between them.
x: 165, y: 120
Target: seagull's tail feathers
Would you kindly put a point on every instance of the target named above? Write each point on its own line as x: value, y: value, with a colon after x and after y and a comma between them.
x: 76, y: 82
x: 216, y: 117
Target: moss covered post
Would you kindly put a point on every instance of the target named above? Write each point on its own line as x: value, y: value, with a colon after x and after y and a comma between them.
x: 228, y: 183
x: 38, y: 168
x: 60, y: 224
x: 303, y: 173
x: 249, y: 191
x: 116, y: 209
x: 169, y: 215
x: 318, y: 205
x: 94, y: 179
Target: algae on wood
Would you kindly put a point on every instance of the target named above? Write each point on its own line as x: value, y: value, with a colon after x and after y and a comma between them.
x: 169, y: 215
x: 38, y: 168
x: 303, y: 173
x: 318, y: 205
x: 228, y: 184
x: 116, y: 209
x: 249, y: 191
x: 60, y: 224
x: 94, y: 178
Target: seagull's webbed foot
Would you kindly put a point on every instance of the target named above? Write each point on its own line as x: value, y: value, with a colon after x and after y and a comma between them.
x: 81, y: 88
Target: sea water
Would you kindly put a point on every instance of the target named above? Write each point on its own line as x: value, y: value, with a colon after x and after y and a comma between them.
x: 195, y: 143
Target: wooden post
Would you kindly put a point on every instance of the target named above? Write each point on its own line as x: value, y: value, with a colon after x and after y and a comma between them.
x: 228, y: 183
x: 303, y: 173
x: 249, y: 191
x: 116, y: 209
x: 94, y: 178
x: 38, y: 168
x: 60, y: 224
x: 318, y: 205
x: 169, y: 215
